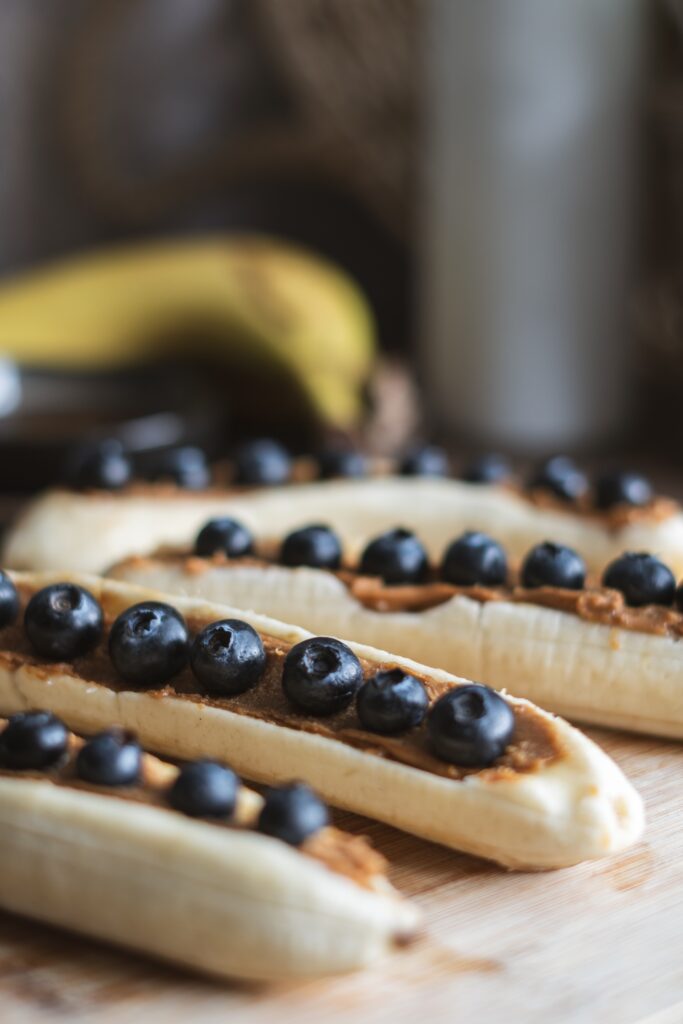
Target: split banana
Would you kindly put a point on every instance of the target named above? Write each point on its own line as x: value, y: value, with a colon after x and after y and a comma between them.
x: 89, y: 532
x: 123, y: 866
x: 239, y: 299
x: 549, y: 798
x: 587, y: 671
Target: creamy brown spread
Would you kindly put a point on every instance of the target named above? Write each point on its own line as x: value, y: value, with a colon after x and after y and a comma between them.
x: 305, y: 470
x: 223, y: 485
x: 601, y: 605
x: 615, y: 518
x: 534, y: 743
x: 343, y: 853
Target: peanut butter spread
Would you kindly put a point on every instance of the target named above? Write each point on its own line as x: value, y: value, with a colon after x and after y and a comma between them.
x: 601, y: 605
x: 304, y: 470
x: 343, y: 853
x: 613, y: 519
x: 223, y: 484
x: 534, y: 743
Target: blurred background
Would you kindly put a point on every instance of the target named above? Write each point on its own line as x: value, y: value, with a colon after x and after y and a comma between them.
x: 358, y: 221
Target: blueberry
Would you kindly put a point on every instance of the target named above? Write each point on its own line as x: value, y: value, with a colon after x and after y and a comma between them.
x: 317, y: 546
x: 292, y: 813
x: 33, y: 740
x: 474, y: 558
x: 262, y: 462
x: 104, y: 466
x: 321, y: 675
x: 341, y: 462
x: 486, y: 469
x: 553, y: 565
x: 397, y: 556
x: 204, y: 789
x: 186, y: 466
x: 641, y: 578
x: 63, y: 621
x: 391, y: 701
x: 426, y: 460
x: 622, y: 489
x: 225, y: 535
x: 471, y: 725
x: 9, y: 600
x: 148, y: 643
x: 562, y: 477
x: 227, y: 657
x: 112, y: 758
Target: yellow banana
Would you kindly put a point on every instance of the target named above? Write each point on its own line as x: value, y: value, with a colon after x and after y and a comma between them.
x: 249, y: 300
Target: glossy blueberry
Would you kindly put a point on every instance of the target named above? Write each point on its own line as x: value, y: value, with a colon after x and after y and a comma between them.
x: 9, y: 600
x: 148, y: 643
x: 262, y: 462
x: 204, y: 789
x: 622, y: 488
x: 292, y: 813
x: 321, y: 675
x: 341, y: 462
x: 391, y: 701
x: 33, y: 740
x: 553, y: 565
x: 104, y: 466
x: 486, y: 469
x: 641, y: 578
x: 562, y: 477
x: 225, y: 535
x: 425, y: 460
x: 474, y: 558
x: 470, y: 725
x: 397, y: 556
x: 186, y: 466
x: 63, y: 621
x: 227, y: 657
x: 317, y: 546
x: 112, y: 758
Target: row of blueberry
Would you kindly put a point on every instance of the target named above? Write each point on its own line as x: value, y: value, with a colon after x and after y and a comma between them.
x: 38, y: 740
x: 473, y: 559
x: 266, y: 462
x: 149, y: 644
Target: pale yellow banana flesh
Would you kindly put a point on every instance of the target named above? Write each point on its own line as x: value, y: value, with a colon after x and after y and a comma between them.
x: 586, y: 671
x: 576, y: 807
x: 228, y: 902
x: 90, y: 532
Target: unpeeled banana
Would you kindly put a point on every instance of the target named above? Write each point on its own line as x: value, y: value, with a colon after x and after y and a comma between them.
x: 247, y: 300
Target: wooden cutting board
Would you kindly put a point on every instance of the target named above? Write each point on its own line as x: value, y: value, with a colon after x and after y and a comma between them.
x: 598, y: 943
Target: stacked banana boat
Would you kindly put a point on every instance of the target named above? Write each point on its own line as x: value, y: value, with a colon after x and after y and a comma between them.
x: 287, y: 631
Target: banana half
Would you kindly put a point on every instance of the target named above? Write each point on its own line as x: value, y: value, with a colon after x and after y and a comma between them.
x: 227, y: 901
x: 586, y: 671
x: 565, y: 801
x: 89, y: 532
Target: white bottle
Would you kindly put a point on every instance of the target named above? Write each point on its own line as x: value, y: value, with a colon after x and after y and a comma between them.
x: 528, y: 218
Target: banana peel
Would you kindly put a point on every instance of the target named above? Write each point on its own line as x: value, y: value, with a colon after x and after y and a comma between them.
x: 245, y: 300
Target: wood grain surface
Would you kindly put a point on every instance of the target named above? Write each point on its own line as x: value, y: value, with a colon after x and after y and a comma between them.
x: 601, y: 942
